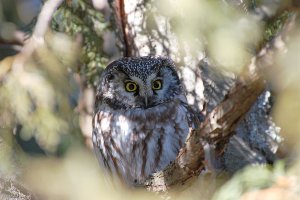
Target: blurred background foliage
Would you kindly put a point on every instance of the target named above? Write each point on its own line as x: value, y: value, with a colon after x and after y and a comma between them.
x: 205, y: 29
x: 80, y: 18
x: 40, y: 136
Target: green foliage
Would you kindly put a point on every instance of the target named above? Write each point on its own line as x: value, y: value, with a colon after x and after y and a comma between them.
x: 40, y: 96
x: 79, y: 18
x: 272, y: 28
x: 32, y: 103
x: 36, y: 95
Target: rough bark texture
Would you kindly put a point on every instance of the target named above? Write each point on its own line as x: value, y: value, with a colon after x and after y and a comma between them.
x: 10, y: 189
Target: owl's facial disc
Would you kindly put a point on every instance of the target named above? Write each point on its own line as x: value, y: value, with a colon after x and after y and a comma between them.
x: 157, y: 88
x: 143, y: 92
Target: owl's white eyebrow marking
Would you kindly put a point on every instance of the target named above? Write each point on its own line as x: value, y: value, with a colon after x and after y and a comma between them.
x: 150, y: 78
x: 137, y: 80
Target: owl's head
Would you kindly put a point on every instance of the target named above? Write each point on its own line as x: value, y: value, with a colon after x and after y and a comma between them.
x: 141, y: 82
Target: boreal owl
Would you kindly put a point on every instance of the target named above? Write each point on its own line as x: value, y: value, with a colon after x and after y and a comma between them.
x: 141, y: 117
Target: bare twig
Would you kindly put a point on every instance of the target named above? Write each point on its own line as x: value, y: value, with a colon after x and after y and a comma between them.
x: 45, y: 17
x: 39, y: 32
x: 18, y: 38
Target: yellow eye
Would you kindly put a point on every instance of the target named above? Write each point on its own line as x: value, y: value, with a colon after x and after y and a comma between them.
x: 157, y: 85
x: 130, y: 86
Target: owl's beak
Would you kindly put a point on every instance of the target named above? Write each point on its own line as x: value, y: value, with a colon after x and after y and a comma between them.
x: 146, y: 101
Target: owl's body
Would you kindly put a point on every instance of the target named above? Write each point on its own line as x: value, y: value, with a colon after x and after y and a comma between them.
x: 139, y: 129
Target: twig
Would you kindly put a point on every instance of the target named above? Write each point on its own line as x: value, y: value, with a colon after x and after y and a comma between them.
x: 45, y: 17
x: 39, y: 32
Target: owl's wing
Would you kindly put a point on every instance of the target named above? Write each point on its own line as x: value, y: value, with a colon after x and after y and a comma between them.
x: 102, y: 157
x: 194, y: 118
x: 97, y: 148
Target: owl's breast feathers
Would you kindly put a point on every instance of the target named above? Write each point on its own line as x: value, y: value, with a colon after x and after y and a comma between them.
x: 138, y: 142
